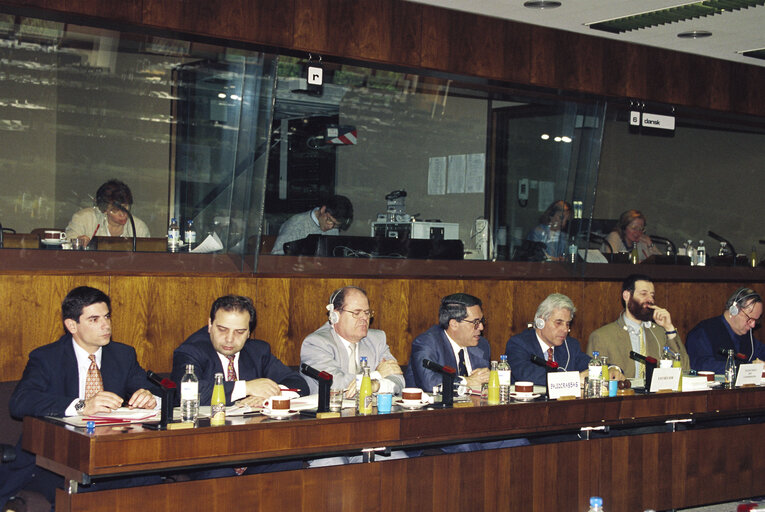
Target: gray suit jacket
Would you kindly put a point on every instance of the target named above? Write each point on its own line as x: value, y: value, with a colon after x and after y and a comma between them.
x: 613, y: 340
x: 323, y: 350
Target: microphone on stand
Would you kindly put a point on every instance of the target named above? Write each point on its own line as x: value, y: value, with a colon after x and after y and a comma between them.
x: 168, y: 388
x: 314, y: 373
x: 738, y: 356
x: 325, y: 383
x: 447, y: 383
x: 723, y: 240
x: 550, y: 366
x: 445, y: 370
x: 130, y: 216
x: 650, y: 365
x: 671, y: 247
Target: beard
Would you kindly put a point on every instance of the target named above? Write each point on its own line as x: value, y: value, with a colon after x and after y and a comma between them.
x: 640, y: 311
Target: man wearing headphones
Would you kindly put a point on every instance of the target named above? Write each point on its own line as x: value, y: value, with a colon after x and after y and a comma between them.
x: 731, y: 330
x: 337, y: 346
x: 332, y: 216
x: 549, y: 341
x: 643, y: 327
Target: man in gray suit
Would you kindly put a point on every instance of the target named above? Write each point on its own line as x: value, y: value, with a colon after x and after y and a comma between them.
x: 337, y: 346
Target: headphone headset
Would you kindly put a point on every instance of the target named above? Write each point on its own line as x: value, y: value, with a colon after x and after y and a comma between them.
x: 334, y: 316
x: 539, y: 322
x: 739, y: 299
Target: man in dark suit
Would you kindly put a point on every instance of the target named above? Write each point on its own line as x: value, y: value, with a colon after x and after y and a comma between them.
x: 84, y: 373
x: 456, y: 341
x: 251, y: 372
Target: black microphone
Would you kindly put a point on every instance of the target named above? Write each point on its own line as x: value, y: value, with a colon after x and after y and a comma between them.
x: 1, y: 235
x: 446, y: 370
x: 721, y: 240
x: 646, y: 360
x: 602, y: 240
x: 164, y: 383
x: 130, y: 216
x: 550, y: 366
x: 736, y: 355
x: 670, y: 243
x: 314, y: 373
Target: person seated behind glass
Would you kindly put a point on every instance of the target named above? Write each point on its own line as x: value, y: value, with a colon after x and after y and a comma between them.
x: 550, y: 230
x: 331, y: 216
x: 106, y: 218
x: 630, y: 231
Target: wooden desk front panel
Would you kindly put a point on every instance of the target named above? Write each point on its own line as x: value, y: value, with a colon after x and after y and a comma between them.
x: 660, y: 471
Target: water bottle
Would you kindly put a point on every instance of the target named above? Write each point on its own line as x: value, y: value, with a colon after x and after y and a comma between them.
x: 594, y: 382
x: 189, y: 235
x: 493, y: 398
x: 503, y: 370
x: 701, y: 254
x: 634, y: 255
x: 189, y: 395
x: 572, y: 252
x: 596, y: 504
x: 723, y: 249
x: 173, y: 236
x: 691, y: 252
x: 218, y: 403
x: 667, y: 358
x: 730, y: 370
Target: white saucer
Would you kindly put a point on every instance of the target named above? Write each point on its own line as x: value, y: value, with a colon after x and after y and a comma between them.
x: 49, y: 241
x: 267, y: 412
x: 524, y: 397
x: 417, y: 405
x: 713, y: 384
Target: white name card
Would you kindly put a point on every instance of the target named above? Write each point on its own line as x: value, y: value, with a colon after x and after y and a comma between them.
x: 560, y: 384
x: 749, y: 374
x: 695, y: 383
x: 665, y: 379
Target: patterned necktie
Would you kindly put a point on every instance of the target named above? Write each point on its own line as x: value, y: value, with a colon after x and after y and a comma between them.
x: 641, y: 367
x: 231, y: 372
x: 462, y: 367
x: 550, y: 356
x: 93, y: 382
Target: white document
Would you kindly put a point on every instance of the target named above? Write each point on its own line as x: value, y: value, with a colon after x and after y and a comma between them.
x: 561, y: 384
x: 456, y: 174
x: 474, y: 176
x: 437, y: 176
x: 665, y: 379
x: 210, y: 244
x: 750, y: 373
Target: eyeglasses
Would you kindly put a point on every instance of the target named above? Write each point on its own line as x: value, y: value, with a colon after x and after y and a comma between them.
x: 750, y: 319
x: 476, y: 322
x: 635, y: 228
x: 358, y: 313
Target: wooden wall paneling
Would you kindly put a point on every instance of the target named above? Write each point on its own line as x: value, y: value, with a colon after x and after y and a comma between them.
x: 479, y: 51
x: 746, y: 91
x: 601, y: 304
x: 31, y: 314
x: 436, y: 40
x: 559, y: 56
x: 621, y: 70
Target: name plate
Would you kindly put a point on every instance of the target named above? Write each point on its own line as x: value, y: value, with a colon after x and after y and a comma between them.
x: 749, y: 374
x: 665, y: 379
x: 563, y: 384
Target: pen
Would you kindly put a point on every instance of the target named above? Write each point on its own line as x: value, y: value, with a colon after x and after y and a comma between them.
x: 96, y: 231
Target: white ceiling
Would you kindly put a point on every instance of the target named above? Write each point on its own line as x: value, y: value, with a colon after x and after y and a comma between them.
x: 732, y: 31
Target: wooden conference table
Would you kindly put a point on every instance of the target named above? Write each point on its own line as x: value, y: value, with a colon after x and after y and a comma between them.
x: 711, y: 460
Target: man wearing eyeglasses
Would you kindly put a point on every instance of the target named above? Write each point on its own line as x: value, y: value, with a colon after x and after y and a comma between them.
x: 456, y: 341
x: 332, y: 216
x: 337, y: 346
x: 731, y: 330
x: 549, y: 341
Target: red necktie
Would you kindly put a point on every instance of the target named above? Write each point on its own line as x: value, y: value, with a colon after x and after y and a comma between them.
x: 231, y: 372
x: 550, y: 356
x: 93, y: 382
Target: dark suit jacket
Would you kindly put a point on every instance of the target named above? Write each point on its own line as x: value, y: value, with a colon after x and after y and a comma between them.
x: 705, y: 340
x: 519, y: 348
x: 50, y: 380
x: 255, y: 362
x: 434, y: 345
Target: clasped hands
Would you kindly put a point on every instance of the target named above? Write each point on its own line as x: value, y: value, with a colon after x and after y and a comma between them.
x: 106, y: 401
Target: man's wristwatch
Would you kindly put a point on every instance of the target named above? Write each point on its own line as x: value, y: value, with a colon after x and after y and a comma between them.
x: 79, y: 406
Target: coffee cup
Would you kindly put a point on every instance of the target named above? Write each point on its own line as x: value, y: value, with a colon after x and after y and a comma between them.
x: 277, y: 405
x: 53, y: 235
x: 709, y: 375
x: 411, y: 396
x: 524, y: 387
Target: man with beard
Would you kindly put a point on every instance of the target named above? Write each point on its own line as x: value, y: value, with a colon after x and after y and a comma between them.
x: 643, y: 327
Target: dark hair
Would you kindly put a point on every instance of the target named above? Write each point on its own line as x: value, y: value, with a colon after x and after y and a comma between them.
x: 454, y: 307
x: 557, y: 206
x: 745, y: 297
x: 337, y: 299
x: 341, y: 209
x: 629, y: 284
x: 234, y: 303
x: 113, y: 191
x: 626, y: 218
x: 80, y: 298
